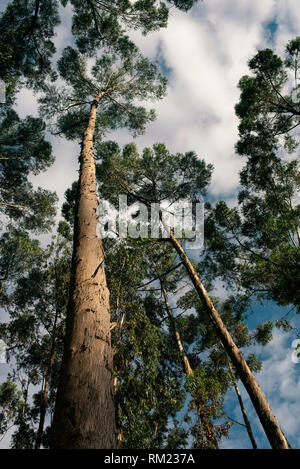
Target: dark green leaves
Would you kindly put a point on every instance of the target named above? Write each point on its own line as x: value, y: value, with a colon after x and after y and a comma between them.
x: 24, y: 151
x: 103, y: 23
x: 116, y: 82
x: 155, y: 175
x: 26, y: 32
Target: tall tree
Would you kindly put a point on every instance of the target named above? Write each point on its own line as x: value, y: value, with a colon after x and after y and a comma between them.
x: 147, y: 386
x: 84, y: 416
x: 261, y: 234
x: 34, y: 332
x: 244, y: 413
x: 163, y: 176
x: 205, y: 340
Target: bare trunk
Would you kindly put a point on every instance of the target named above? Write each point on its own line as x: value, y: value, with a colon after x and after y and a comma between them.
x: 206, y: 422
x: 268, y: 420
x: 44, y: 402
x: 118, y: 423
x: 84, y: 415
x: 43, y: 409
x: 187, y: 367
x: 245, y: 416
x: 2, y: 285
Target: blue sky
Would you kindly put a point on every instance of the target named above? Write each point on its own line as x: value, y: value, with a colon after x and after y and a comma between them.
x: 279, y: 379
x: 205, y: 53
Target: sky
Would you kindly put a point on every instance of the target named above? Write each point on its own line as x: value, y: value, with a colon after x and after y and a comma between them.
x: 204, y: 53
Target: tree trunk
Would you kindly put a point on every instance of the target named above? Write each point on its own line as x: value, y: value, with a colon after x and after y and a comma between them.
x: 44, y: 402
x: 206, y: 422
x: 2, y: 285
x: 118, y: 422
x: 268, y: 420
x: 84, y: 415
x: 245, y: 416
x: 43, y: 409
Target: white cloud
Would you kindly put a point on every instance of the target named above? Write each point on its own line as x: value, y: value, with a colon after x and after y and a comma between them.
x: 207, y: 51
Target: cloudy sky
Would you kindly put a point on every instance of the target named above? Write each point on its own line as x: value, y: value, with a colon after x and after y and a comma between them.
x: 204, y: 54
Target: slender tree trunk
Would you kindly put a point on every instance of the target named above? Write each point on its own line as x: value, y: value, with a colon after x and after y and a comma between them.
x: 4, y: 279
x: 84, y: 415
x: 118, y: 422
x: 2, y: 285
x: 44, y: 402
x: 186, y: 363
x: 43, y: 409
x: 245, y: 416
x: 207, y: 424
x: 269, y: 422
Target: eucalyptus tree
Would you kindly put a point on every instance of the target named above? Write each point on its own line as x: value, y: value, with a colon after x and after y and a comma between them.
x: 206, y: 391
x: 243, y: 410
x: 34, y: 333
x: 15, y: 411
x: 87, y: 107
x: 10, y: 405
x: 27, y: 29
x: 104, y: 22
x: 209, y: 380
x: 148, y: 391
x: 269, y: 115
x: 152, y: 178
x: 18, y: 253
x: 234, y: 311
x: 136, y: 307
x: 261, y: 234
x: 207, y: 394
x: 24, y: 151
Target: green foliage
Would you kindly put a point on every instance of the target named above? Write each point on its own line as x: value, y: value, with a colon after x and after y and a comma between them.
x: 10, y: 405
x: 208, y: 393
x: 23, y: 152
x: 149, y: 392
x: 254, y: 364
x: 256, y: 245
x: 118, y: 80
x: 204, y: 388
x: 18, y: 252
x: 154, y: 176
x: 97, y: 23
x: 263, y: 333
x: 26, y: 32
x: 34, y: 333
